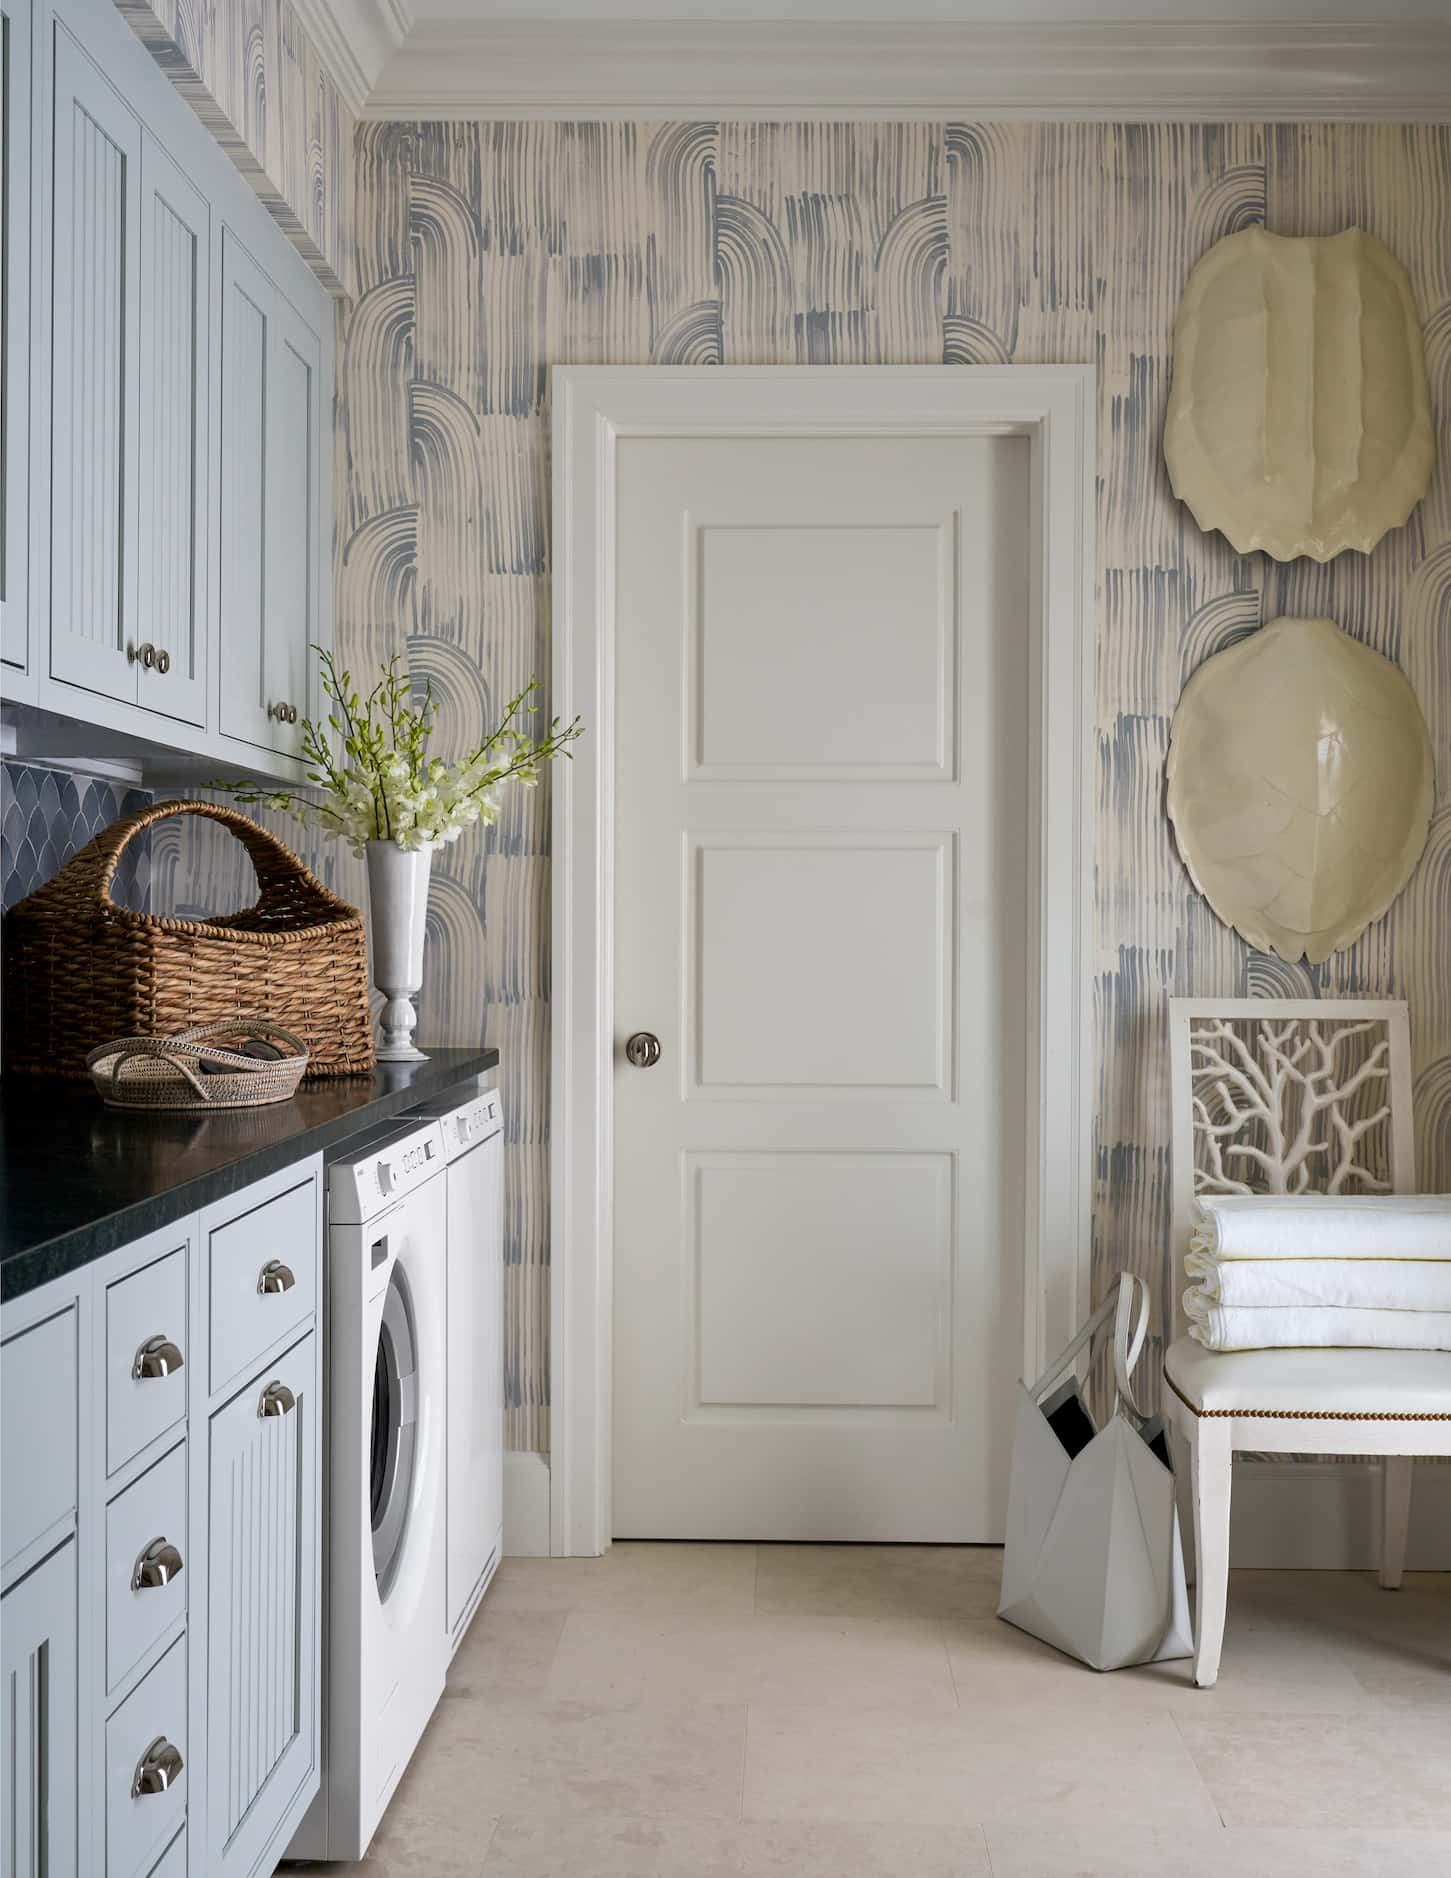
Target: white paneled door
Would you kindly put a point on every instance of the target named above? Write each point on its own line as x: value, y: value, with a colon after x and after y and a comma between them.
x: 821, y: 914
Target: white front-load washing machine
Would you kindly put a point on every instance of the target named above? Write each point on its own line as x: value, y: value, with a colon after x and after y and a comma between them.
x: 385, y: 1648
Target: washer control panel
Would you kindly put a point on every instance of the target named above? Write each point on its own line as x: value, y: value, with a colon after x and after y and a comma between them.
x: 465, y: 1124
x: 386, y: 1166
x: 475, y: 1122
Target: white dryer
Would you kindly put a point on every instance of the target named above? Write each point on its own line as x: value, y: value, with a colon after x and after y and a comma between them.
x: 473, y: 1142
x: 385, y: 1649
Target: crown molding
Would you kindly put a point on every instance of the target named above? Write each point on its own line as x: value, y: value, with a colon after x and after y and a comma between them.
x: 356, y: 39
x: 777, y: 70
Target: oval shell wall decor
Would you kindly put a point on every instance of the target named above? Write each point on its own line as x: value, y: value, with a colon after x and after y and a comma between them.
x: 1299, y: 419
x: 1301, y: 783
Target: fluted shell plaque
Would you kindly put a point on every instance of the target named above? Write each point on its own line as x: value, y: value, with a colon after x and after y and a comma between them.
x: 1299, y: 418
x: 1301, y: 783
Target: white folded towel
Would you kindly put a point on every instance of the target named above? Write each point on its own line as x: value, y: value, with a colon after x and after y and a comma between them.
x: 1324, y: 1226
x: 1366, y: 1284
x: 1315, y: 1327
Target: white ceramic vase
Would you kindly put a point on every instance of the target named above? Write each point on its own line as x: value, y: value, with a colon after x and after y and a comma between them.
x: 398, y: 904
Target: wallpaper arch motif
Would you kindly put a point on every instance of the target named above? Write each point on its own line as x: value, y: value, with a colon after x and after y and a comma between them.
x: 487, y: 254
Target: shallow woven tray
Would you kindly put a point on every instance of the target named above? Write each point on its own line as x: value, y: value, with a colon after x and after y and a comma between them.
x: 166, y: 1072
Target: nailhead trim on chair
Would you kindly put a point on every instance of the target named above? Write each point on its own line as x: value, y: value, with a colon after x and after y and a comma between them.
x: 1310, y: 1415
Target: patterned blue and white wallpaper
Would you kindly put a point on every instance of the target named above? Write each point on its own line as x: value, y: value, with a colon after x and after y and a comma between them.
x: 487, y: 253
x: 256, y: 80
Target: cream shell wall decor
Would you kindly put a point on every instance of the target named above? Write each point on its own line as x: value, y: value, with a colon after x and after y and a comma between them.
x: 1301, y: 783
x: 1299, y: 418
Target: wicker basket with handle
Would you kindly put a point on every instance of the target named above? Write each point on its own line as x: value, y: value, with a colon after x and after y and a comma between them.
x: 79, y: 969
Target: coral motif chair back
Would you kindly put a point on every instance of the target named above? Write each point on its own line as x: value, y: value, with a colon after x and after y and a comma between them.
x: 1285, y: 1095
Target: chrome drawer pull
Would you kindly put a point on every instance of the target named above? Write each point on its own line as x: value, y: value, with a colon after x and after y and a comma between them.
x: 158, y: 1356
x: 156, y: 1566
x: 157, y: 1769
x: 277, y: 1399
x: 275, y: 1277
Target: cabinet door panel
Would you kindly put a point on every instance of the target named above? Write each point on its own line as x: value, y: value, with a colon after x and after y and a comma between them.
x: 292, y: 525
x: 38, y: 1737
x: 15, y: 151
x: 94, y: 403
x: 174, y: 329
x: 270, y: 522
x: 262, y: 1570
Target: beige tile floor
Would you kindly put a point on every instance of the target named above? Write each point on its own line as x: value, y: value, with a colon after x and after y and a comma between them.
x: 738, y: 1711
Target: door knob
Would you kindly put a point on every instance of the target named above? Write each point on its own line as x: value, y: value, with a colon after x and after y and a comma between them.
x: 157, y: 1768
x: 157, y: 1566
x: 158, y: 1356
x: 643, y: 1049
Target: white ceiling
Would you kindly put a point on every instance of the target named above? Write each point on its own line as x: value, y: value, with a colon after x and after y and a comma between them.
x: 783, y: 59
x: 899, y: 12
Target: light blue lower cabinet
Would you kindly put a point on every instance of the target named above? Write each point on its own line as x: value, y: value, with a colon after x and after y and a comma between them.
x: 39, y: 1796
x: 159, y: 1711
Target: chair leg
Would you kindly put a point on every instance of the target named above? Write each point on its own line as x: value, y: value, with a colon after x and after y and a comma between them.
x: 1395, y: 1491
x: 1212, y: 1465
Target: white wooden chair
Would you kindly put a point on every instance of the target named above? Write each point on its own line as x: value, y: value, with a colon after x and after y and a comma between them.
x: 1289, y: 1095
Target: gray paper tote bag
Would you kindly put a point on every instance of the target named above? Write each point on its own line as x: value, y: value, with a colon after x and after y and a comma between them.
x: 1094, y: 1562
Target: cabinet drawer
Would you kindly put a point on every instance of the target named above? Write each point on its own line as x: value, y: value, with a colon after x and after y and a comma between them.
x: 138, y: 1825
x: 172, y: 1863
x: 146, y: 1308
x: 263, y: 1268
x: 38, y: 1380
x: 149, y: 1516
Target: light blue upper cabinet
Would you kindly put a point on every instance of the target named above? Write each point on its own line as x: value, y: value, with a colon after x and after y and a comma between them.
x: 95, y: 350
x: 172, y: 602
x: 270, y: 506
x: 15, y: 231
x: 167, y: 367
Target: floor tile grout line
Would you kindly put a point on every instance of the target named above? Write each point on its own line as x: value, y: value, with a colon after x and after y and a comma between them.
x: 1198, y: 1771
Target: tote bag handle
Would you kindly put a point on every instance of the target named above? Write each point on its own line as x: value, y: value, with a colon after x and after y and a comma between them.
x: 1130, y: 1329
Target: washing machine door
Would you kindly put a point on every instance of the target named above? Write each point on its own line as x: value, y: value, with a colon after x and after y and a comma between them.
x: 394, y: 1444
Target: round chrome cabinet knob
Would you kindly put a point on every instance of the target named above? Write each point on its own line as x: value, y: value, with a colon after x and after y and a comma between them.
x: 643, y: 1049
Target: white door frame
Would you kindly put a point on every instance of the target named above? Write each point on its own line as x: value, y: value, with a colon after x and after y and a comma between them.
x: 595, y: 406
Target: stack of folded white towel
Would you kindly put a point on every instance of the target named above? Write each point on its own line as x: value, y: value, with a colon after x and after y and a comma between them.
x: 1279, y: 1272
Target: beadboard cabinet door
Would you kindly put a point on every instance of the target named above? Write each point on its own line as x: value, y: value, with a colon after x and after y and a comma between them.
x: 175, y: 328
x: 96, y: 193
x: 270, y: 522
x: 16, y: 185
x: 39, y: 1744
x: 262, y: 1588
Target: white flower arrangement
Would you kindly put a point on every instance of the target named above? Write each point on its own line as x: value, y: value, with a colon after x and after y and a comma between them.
x: 382, y: 785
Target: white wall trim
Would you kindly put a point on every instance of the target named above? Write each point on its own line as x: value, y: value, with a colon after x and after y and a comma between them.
x: 1326, y: 1515
x: 594, y: 406
x: 356, y: 39
x: 1388, y: 71
x: 526, y: 1504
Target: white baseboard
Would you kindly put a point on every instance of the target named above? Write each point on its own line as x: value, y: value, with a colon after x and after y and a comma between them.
x: 1326, y: 1515
x: 526, y: 1505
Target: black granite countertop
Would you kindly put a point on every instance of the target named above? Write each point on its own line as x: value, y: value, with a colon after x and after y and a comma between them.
x: 78, y: 1179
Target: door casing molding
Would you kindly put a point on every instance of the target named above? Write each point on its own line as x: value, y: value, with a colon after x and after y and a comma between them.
x: 594, y: 407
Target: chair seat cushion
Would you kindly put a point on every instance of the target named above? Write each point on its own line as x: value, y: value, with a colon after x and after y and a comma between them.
x: 1352, y: 1384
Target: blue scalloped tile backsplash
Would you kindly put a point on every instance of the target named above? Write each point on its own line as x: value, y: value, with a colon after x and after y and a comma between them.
x: 47, y: 814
